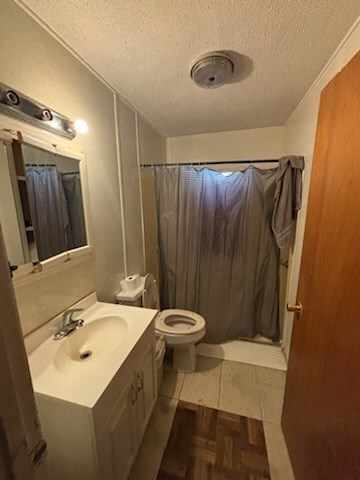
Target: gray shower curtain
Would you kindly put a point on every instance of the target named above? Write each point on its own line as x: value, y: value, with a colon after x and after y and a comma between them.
x: 47, y: 211
x: 218, y: 256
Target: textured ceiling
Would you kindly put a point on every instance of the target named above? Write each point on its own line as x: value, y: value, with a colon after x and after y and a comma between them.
x: 145, y: 49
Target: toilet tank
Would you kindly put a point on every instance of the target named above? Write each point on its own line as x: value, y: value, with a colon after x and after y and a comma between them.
x: 131, y: 291
x: 138, y: 291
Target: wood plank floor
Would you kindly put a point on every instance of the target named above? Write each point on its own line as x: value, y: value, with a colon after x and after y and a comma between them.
x: 208, y: 444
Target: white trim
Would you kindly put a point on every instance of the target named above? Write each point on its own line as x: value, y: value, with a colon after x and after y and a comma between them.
x: 18, y: 204
x: 327, y: 65
x: 140, y: 193
x: 69, y: 151
x: 57, y: 37
x: 242, y: 351
x: 6, y: 137
x: 34, y: 136
x: 168, y: 150
x: 118, y: 155
x: 41, y: 138
x: 26, y: 274
x: 86, y: 200
x: 39, y: 143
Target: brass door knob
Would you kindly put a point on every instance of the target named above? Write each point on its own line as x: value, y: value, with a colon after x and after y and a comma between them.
x: 297, y: 308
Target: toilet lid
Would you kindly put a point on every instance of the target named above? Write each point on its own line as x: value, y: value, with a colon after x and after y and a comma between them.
x: 177, y: 321
x: 150, y: 293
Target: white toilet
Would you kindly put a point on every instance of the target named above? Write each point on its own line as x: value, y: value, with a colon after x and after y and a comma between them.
x: 180, y: 328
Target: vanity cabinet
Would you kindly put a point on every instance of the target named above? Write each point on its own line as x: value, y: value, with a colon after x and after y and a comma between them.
x: 147, y: 389
x: 100, y: 442
x: 121, y: 435
x: 117, y: 441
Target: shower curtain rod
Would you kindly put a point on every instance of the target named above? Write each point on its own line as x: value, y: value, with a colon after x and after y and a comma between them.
x: 40, y: 165
x: 223, y: 162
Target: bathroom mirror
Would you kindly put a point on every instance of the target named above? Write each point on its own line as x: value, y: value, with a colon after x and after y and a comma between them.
x: 41, y: 202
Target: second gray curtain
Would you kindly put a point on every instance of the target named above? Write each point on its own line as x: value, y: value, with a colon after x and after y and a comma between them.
x: 46, y: 211
x: 75, y: 231
x: 218, y: 256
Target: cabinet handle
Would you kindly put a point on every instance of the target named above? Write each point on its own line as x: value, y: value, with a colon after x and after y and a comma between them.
x: 140, y: 377
x: 135, y: 390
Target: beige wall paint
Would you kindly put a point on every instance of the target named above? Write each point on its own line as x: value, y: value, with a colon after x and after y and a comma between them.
x: 45, y: 298
x: 300, y: 139
x: 35, y: 63
x: 131, y: 189
x: 139, y: 143
x: 253, y: 144
x: 151, y: 247
x: 152, y: 147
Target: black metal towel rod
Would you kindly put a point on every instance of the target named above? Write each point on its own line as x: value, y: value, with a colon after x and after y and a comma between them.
x: 196, y: 164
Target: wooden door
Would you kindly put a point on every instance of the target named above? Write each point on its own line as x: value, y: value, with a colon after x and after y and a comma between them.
x: 321, y: 417
x: 21, y: 443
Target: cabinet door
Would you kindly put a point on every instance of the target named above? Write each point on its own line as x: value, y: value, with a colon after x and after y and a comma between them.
x: 117, y: 442
x: 147, y: 389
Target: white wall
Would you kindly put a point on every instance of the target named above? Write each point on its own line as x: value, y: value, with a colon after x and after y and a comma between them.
x: 131, y: 189
x: 35, y: 63
x: 152, y: 147
x: 299, y: 139
x: 253, y: 144
x: 139, y: 143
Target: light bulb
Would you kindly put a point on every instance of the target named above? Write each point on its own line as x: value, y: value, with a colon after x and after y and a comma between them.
x: 227, y: 174
x: 81, y: 126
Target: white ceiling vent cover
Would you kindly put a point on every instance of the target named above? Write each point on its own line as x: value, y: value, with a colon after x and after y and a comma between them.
x: 212, y: 70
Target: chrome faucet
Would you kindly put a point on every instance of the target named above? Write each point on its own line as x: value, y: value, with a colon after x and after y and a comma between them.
x: 68, y: 323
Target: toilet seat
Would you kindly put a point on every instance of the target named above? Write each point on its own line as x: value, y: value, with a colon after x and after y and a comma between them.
x: 182, y: 329
x: 179, y: 322
x: 175, y: 323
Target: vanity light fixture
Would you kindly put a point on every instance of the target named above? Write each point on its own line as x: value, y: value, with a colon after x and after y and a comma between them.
x: 81, y: 126
x: 17, y: 105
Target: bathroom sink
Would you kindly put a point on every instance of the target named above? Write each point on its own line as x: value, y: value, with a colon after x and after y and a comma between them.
x: 90, y: 344
x: 79, y: 367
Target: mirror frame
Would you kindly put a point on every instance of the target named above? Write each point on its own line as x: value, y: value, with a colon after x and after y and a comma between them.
x: 12, y: 129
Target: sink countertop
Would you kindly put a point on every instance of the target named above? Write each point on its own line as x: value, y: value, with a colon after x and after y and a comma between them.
x: 57, y: 374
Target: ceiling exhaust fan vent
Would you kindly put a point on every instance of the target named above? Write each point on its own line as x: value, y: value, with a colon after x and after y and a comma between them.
x: 212, y: 70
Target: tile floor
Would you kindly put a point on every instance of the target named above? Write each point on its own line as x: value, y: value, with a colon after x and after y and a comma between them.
x: 248, y: 390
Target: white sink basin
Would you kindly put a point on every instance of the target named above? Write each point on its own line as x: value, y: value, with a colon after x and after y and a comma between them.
x: 79, y: 367
x: 91, y: 344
